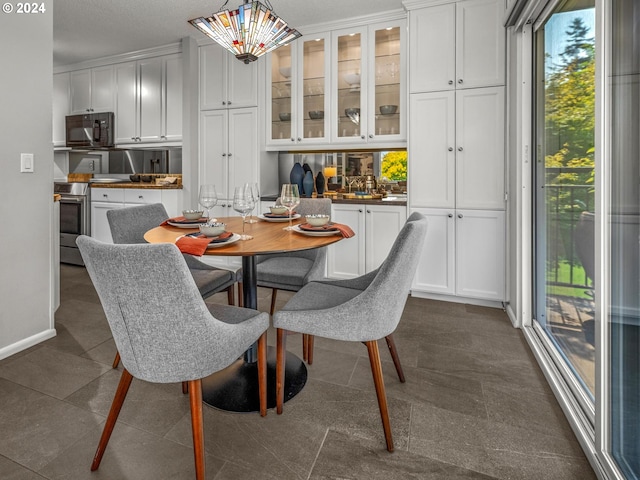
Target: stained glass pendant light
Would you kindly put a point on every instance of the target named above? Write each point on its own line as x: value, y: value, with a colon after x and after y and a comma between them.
x: 249, y: 31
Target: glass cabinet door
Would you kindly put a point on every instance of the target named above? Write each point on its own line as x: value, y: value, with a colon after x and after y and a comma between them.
x: 350, y: 75
x: 314, y: 106
x: 282, y: 101
x: 386, y: 92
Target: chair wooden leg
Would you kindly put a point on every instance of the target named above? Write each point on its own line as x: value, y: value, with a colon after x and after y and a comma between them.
x: 195, y: 397
x: 274, y: 294
x: 116, y: 405
x: 376, y: 370
x: 280, y: 366
x: 116, y: 361
x: 240, y: 295
x: 305, y: 344
x: 185, y: 387
x: 262, y: 373
x: 230, y: 299
x: 394, y: 355
x: 310, y: 349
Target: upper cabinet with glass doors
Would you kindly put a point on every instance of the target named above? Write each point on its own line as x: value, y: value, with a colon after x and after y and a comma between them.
x: 299, y: 101
x: 368, y: 85
x: 345, y: 87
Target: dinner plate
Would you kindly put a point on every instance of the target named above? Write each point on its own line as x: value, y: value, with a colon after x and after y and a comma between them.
x: 279, y: 219
x: 232, y: 239
x: 193, y: 224
x: 319, y: 233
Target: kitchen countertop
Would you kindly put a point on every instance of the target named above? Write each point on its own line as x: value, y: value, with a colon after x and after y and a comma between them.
x: 143, y: 185
x: 391, y: 200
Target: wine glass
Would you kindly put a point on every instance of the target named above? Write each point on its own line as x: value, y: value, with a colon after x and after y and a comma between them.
x: 208, y: 197
x: 243, y: 203
x: 255, y: 192
x: 290, y: 198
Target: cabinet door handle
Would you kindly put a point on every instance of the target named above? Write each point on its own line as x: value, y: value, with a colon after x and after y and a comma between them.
x: 140, y: 197
x: 362, y: 137
x: 224, y: 154
x: 460, y: 149
x: 460, y: 215
x: 450, y: 215
x: 360, y: 210
x: 368, y: 211
x: 224, y: 103
x: 230, y: 155
x: 299, y: 139
x: 293, y: 139
x: 450, y: 82
x: 451, y: 149
x: 104, y: 195
x: 370, y: 135
x: 164, y: 137
x: 460, y: 81
x: 229, y: 102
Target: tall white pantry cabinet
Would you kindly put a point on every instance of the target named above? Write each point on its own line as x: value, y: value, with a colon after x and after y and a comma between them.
x: 456, y: 146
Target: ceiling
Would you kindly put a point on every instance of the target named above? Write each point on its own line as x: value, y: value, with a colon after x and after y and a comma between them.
x: 89, y: 29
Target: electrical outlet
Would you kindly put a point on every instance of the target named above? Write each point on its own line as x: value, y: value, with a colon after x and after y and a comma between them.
x: 26, y: 163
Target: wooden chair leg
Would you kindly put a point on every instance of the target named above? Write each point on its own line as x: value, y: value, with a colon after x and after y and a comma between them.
x: 195, y: 397
x: 310, y: 349
x: 280, y: 367
x: 185, y: 387
x: 116, y: 361
x: 274, y: 294
x: 305, y: 345
x: 394, y: 355
x: 376, y: 370
x: 116, y: 405
x: 240, y: 295
x: 262, y: 373
x: 230, y: 299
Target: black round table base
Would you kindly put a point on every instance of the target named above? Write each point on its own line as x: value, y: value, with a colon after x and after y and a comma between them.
x: 235, y: 389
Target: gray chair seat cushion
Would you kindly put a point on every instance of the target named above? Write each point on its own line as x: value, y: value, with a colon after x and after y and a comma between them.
x: 284, y: 272
x: 212, y: 281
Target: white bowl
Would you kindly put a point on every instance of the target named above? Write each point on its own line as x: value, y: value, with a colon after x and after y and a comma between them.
x: 352, y: 79
x: 212, y: 229
x: 317, y: 220
x: 278, y: 210
x: 192, y: 214
x: 285, y: 72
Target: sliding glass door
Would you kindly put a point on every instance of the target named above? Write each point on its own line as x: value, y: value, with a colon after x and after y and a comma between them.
x: 565, y: 195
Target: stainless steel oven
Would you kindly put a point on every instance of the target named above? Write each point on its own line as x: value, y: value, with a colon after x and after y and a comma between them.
x: 75, y: 219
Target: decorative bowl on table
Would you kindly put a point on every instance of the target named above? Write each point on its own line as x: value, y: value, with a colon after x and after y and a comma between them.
x: 388, y: 109
x: 212, y: 229
x: 285, y: 72
x: 278, y: 210
x: 316, y: 114
x: 285, y: 117
x: 192, y: 214
x: 317, y: 220
x: 135, y: 177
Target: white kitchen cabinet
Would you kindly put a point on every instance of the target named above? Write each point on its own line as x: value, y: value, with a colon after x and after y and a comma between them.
x: 457, y: 149
x: 376, y: 54
x: 229, y: 149
x: 457, y: 45
x: 105, y: 199
x: 60, y: 108
x: 463, y: 254
x: 376, y: 228
x: 149, y: 100
x: 92, y: 90
x: 226, y: 82
x: 300, y: 83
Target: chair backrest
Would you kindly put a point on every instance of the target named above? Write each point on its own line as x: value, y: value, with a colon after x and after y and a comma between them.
x: 129, y: 224
x: 311, y: 206
x: 385, y: 297
x: 161, y: 326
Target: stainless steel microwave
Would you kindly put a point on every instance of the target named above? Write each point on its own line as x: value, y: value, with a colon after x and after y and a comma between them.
x: 90, y: 130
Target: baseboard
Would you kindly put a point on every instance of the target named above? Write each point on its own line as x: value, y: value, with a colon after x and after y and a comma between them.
x: 456, y: 299
x: 512, y: 316
x: 27, y: 343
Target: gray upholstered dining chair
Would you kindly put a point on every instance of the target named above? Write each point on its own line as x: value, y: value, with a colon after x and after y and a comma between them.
x: 292, y: 270
x: 163, y: 329
x: 365, y: 309
x: 128, y: 226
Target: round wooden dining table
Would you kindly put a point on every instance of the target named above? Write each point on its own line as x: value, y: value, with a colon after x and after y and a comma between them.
x: 236, y: 387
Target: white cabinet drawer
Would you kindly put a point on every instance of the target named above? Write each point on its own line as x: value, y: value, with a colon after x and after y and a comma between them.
x: 139, y: 195
x: 115, y: 195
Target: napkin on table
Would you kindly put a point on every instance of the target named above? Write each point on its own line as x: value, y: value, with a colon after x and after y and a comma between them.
x: 345, y: 230
x: 198, y: 245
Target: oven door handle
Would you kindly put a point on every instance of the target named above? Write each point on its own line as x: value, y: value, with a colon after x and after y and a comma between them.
x: 71, y: 200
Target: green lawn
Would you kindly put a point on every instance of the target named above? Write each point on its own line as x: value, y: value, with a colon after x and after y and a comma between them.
x: 563, y: 275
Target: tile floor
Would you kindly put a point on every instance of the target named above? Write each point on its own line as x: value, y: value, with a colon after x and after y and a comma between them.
x: 475, y: 405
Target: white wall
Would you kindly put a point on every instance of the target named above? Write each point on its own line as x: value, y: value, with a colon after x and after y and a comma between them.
x: 26, y: 207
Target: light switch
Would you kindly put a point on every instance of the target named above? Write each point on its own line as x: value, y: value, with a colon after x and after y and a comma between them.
x: 26, y: 162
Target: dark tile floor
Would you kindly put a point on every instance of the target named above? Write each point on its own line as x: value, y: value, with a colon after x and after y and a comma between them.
x: 475, y: 405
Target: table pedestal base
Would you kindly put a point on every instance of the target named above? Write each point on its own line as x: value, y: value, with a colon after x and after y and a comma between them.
x: 235, y: 389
